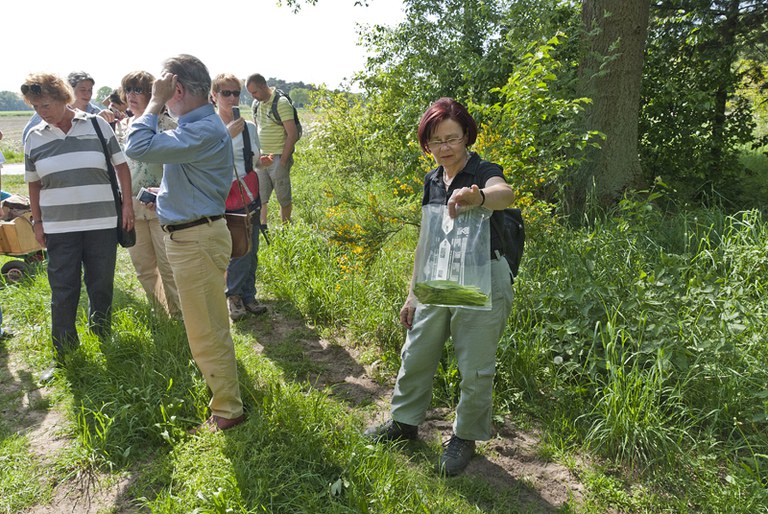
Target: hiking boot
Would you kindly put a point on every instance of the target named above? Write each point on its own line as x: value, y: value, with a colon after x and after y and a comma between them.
x: 255, y: 307
x: 456, y: 455
x: 236, y: 308
x: 392, y: 431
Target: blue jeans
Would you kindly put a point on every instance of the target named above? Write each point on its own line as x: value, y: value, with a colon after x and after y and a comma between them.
x: 241, y: 272
x: 94, y: 252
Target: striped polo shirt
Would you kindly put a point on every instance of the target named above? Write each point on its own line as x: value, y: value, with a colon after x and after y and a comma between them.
x: 75, y: 193
x: 271, y: 132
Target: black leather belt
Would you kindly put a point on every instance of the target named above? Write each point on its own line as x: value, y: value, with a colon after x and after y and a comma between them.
x: 182, y: 226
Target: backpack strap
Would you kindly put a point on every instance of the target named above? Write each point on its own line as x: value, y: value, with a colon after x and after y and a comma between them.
x: 276, y: 114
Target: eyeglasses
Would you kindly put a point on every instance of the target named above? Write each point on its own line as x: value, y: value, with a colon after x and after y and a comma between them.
x: 452, y: 141
x: 128, y: 90
x: 225, y: 92
x: 35, y: 89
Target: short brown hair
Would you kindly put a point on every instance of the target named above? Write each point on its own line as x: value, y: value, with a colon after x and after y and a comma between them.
x: 139, y: 78
x: 223, y: 78
x: 256, y: 78
x: 48, y: 85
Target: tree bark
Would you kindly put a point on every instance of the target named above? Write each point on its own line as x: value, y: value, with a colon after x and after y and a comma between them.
x: 611, y: 75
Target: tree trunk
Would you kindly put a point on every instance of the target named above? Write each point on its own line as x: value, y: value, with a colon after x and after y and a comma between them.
x: 611, y: 74
x: 727, y: 36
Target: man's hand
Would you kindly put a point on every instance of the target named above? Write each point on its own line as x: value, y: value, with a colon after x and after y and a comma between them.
x: 164, y: 88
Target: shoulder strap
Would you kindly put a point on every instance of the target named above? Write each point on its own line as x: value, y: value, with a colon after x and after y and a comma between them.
x: 110, y: 171
x: 276, y: 114
x: 247, y: 150
x: 107, y: 156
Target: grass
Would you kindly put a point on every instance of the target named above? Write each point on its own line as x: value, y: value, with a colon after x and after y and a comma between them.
x: 635, y: 348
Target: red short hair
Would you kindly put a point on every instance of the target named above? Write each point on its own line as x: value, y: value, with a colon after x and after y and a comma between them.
x: 446, y: 109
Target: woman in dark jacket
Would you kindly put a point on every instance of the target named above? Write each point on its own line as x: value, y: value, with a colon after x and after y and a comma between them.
x: 461, y: 181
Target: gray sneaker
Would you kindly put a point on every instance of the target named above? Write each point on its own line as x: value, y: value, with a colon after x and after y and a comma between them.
x: 456, y: 455
x: 236, y: 308
x: 392, y: 431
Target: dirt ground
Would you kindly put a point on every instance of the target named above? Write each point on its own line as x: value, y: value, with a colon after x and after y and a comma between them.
x: 12, y: 127
x: 508, y: 461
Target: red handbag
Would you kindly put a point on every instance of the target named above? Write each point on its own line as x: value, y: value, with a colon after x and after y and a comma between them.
x: 250, y: 187
x: 250, y: 181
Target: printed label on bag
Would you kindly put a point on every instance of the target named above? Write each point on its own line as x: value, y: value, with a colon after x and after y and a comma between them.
x: 443, y: 260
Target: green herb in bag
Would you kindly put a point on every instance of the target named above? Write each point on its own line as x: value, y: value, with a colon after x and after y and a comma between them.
x: 447, y: 292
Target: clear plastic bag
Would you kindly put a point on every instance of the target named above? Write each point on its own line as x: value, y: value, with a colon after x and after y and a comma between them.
x: 453, y: 267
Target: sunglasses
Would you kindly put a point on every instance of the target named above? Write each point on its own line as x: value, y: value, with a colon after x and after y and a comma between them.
x: 225, y: 92
x: 35, y: 89
x: 130, y: 89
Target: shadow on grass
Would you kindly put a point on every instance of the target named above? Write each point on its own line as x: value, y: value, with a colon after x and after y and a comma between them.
x: 306, y: 358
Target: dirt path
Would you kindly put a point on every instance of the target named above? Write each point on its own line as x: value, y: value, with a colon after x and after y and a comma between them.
x: 507, y: 462
x: 510, y: 460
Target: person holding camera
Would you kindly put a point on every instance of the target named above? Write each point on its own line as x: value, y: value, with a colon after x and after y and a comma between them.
x: 241, y: 272
x: 148, y: 254
x: 197, y: 162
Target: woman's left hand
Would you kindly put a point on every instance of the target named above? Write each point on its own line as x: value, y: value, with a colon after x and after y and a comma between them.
x: 128, y: 215
x: 464, y: 197
x: 235, y: 127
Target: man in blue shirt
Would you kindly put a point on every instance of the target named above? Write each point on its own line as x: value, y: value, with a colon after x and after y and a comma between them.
x: 198, y: 165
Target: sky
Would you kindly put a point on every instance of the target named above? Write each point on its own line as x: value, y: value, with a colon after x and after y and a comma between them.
x: 318, y: 45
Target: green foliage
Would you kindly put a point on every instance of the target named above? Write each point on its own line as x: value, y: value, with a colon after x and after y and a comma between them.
x: 695, y: 121
x: 531, y: 133
x: 20, y: 487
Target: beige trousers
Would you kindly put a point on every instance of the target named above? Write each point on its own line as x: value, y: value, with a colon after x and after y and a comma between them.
x: 199, y: 257
x: 151, y: 262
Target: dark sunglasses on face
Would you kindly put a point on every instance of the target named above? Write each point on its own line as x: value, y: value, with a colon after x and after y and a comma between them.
x: 35, y: 89
x: 130, y: 89
x: 225, y: 92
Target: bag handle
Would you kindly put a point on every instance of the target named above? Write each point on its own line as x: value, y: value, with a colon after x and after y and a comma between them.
x: 110, y: 172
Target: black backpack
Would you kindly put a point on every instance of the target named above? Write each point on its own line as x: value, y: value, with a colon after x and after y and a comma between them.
x: 511, y: 229
x: 276, y: 115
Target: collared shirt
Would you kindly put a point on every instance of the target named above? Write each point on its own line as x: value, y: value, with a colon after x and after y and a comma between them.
x: 91, y: 108
x: 75, y: 193
x: 143, y: 174
x: 198, y: 163
x: 476, y: 171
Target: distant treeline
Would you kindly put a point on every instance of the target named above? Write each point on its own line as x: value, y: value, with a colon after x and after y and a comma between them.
x: 10, y: 101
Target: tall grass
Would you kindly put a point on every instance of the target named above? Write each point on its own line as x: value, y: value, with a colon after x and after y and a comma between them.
x: 656, y: 318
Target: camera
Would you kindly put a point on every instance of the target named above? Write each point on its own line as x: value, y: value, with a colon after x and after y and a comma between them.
x: 145, y: 196
x: 235, y: 112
